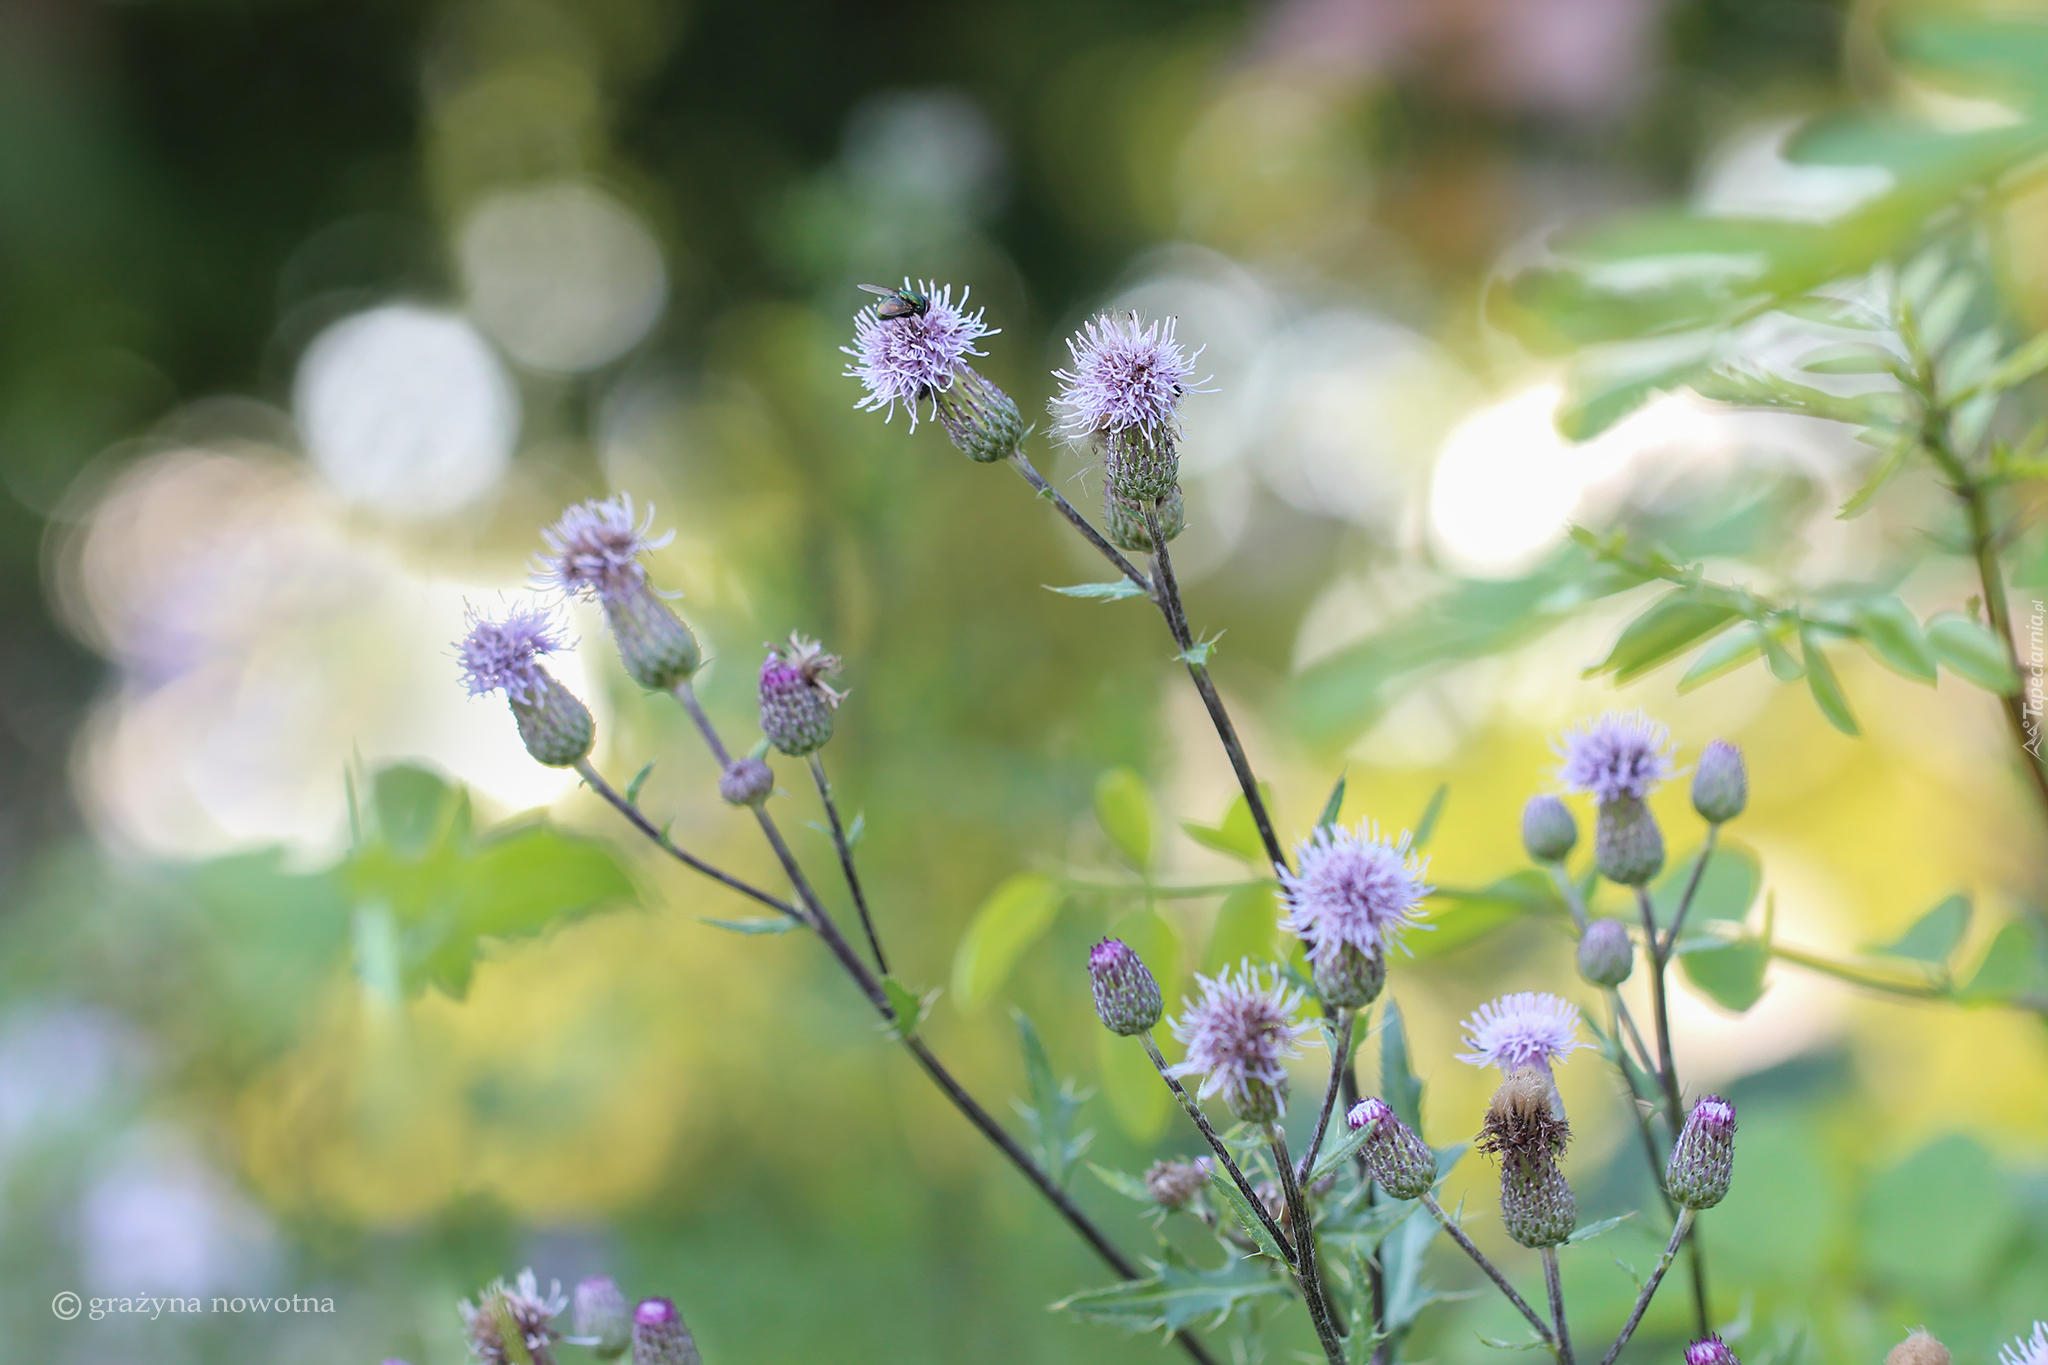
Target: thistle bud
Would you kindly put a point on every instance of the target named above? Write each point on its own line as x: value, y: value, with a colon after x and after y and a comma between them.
x: 1548, y: 830
x: 1710, y: 1351
x: 1174, y: 1184
x: 657, y: 649
x: 1720, y: 787
x: 1123, y: 522
x: 659, y: 1336
x: 1138, y: 464
x: 555, y: 728
x: 1606, y: 953
x: 1628, y: 846
x: 1703, y: 1158
x: 746, y: 782
x: 980, y: 418
x: 1127, y: 996
x: 1537, y: 1206
x: 796, y: 702
x: 1920, y: 1348
x: 1258, y: 1102
x: 601, y: 1316
x: 1397, y: 1157
x: 1351, y: 977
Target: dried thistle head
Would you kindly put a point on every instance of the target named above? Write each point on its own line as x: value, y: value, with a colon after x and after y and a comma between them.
x: 1521, y: 1120
x: 1919, y: 1348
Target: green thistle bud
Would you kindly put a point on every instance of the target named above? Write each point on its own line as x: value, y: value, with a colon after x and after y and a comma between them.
x: 1127, y: 995
x: 1399, y: 1159
x: 1123, y: 523
x: 1720, y: 788
x: 557, y: 729
x: 1548, y: 830
x: 659, y: 1336
x: 1351, y: 978
x: 1140, y: 464
x: 746, y: 782
x: 602, y: 1317
x: 1703, y: 1158
x: 1606, y: 953
x: 980, y: 418
x: 1537, y: 1206
x: 657, y: 648
x: 1628, y: 847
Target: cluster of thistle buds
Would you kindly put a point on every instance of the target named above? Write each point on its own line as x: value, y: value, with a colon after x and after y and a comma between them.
x: 593, y: 553
x: 516, y: 1324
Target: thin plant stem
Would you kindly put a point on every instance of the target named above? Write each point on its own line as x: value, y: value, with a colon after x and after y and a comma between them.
x: 1568, y: 891
x: 1628, y: 1022
x: 1667, y: 1073
x: 1649, y: 1289
x: 1493, y: 1271
x: 1237, y: 1176
x: 905, y: 1033
x: 633, y: 813
x: 1662, y: 951
x: 1305, y: 1269
x: 1176, y: 621
x: 1628, y: 1079
x: 839, y: 841
x: 1022, y: 464
x: 1339, y: 1063
x: 1375, y: 1278
x: 1556, y: 1287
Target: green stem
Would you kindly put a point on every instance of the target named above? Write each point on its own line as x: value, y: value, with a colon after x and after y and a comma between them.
x: 1339, y: 1061
x: 1649, y: 1290
x: 1305, y: 1268
x: 1201, y: 1121
x: 1667, y: 1073
x: 860, y: 899
x: 1692, y: 886
x: 1556, y: 1286
x: 1500, y: 1281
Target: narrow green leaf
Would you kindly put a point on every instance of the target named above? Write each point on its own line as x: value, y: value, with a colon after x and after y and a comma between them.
x: 1053, y: 1106
x: 1336, y: 1153
x: 1198, y: 653
x: 1934, y: 935
x: 1969, y: 650
x: 1826, y: 688
x: 908, y: 1007
x: 639, y: 781
x: 1125, y: 813
x: 1400, y: 1087
x: 1013, y: 917
x: 1333, y: 807
x: 1425, y: 826
x: 1883, y: 472
x: 1125, y: 1184
x: 1238, y: 835
x: 1892, y: 634
x: 1727, y: 653
x: 1103, y: 592
x: 1783, y: 665
x: 767, y: 924
x: 1233, y: 1198
x: 2028, y: 360
x: 1850, y: 357
x: 1672, y: 625
x: 1592, y: 1230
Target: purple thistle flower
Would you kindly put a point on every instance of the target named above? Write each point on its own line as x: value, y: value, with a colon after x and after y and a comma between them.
x: 1238, y: 1036
x: 2027, y: 1350
x: 1710, y: 1351
x: 910, y: 359
x: 1125, y: 375
x: 796, y: 701
x: 1703, y: 1158
x: 660, y: 1336
x: 1620, y: 755
x: 504, y: 656
x: 1524, y: 1028
x: 522, y: 1307
x: 1355, y: 889
x: 594, y: 550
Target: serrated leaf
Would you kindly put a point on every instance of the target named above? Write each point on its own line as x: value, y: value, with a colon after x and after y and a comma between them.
x: 1125, y: 813
x: 1101, y: 592
x: 1825, y: 687
x: 1176, y: 1295
x: 1198, y: 653
x: 1232, y: 1198
x: 1425, y: 824
x: 1892, y: 634
x: 1333, y: 807
x: 1015, y: 915
x: 767, y: 924
x: 1727, y: 653
x: 1934, y: 935
x: 1673, y: 624
x: 1968, y: 649
x: 1238, y: 835
x: 1400, y: 1087
x: 639, y: 781
x: 1053, y: 1105
x: 908, y: 1007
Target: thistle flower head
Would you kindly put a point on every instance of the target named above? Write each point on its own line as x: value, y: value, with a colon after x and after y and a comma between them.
x: 1703, y: 1158
x: 504, y: 655
x: 1238, y: 1036
x: 1720, y: 786
x: 1354, y: 889
x: 1521, y: 1029
x: 1173, y: 1184
x: 1921, y: 1348
x: 796, y: 701
x: 1548, y: 830
x: 1521, y: 1120
x: 660, y: 1336
x: 1710, y: 1351
x: 602, y: 1317
x: 1125, y: 374
x: 594, y: 549
x: 520, y: 1308
x: 1396, y: 1155
x: 2027, y: 1350
x: 1622, y: 754
x: 1127, y: 995
x: 911, y: 359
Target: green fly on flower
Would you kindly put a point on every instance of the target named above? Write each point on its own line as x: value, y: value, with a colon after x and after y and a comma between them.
x: 899, y: 303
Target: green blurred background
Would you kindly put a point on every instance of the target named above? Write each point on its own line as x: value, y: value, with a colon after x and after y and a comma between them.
x: 315, y: 311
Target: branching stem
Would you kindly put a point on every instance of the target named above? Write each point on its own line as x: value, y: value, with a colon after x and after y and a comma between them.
x: 839, y: 841
x: 1493, y: 1271
x: 1237, y: 1176
x: 1649, y: 1289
